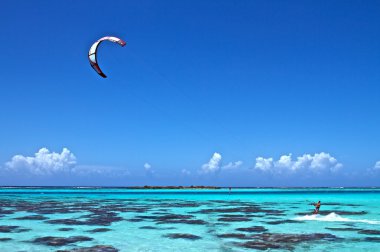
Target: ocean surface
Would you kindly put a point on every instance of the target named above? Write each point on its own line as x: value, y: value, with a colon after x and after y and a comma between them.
x: 119, y: 219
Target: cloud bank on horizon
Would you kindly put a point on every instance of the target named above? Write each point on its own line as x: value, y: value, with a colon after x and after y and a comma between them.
x: 43, y: 162
x: 318, y: 162
x: 46, y: 163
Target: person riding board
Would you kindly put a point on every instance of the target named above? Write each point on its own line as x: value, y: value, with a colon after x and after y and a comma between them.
x: 317, y: 206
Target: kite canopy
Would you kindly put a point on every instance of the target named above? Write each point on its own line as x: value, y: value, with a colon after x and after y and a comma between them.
x: 94, y: 49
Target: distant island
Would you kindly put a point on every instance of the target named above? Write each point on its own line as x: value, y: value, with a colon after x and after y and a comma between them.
x: 174, y: 187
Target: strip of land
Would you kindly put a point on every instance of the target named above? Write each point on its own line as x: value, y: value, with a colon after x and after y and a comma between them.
x: 173, y: 187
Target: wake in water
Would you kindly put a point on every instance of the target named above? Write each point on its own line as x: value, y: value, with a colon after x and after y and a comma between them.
x: 333, y: 217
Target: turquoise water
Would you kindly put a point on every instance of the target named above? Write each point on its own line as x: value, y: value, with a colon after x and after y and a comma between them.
x: 117, y: 219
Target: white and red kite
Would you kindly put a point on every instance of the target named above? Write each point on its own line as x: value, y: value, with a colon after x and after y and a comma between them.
x: 94, y: 49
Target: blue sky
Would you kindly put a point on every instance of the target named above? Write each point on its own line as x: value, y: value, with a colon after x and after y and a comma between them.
x: 205, y: 92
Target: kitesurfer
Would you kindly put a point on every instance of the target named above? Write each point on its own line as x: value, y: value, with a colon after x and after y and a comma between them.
x: 317, y: 206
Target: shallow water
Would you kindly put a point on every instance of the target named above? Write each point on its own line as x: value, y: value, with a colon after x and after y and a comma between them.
x: 52, y: 219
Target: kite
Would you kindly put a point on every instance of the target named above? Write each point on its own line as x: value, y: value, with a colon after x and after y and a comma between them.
x: 93, y: 51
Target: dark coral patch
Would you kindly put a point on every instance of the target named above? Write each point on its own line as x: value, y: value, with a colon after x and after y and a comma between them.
x: 253, y: 229
x: 22, y: 230
x: 233, y: 235
x: 343, y: 229
x: 258, y: 245
x: 178, y: 204
x: 282, y: 222
x: 220, y: 201
x: 231, y: 215
x: 234, y: 219
x: 104, y: 219
x: 60, y: 241
x: 3, y: 211
x: 65, y: 222
x: 65, y: 229
x: 172, y: 216
x: 148, y: 227
x: 98, y: 248
x: 135, y: 220
x: 179, y: 221
x: 159, y: 213
x: 146, y: 217
x: 8, y: 229
x: 369, y: 232
x: 372, y: 239
x: 156, y: 228
x: 99, y: 230
x: 267, y: 241
x: 13, y: 229
x: 183, y: 236
x: 32, y: 217
x: 5, y: 239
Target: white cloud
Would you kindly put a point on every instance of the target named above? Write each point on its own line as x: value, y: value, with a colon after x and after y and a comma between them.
x: 43, y: 162
x: 317, y: 163
x: 213, y: 165
x: 264, y: 164
x: 284, y: 161
x: 147, y: 167
x: 377, y: 166
x: 149, y: 171
x: 232, y: 165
